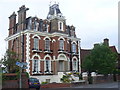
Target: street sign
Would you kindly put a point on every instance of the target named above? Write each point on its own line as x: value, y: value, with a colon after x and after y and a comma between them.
x: 17, y: 63
x: 21, y: 64
x: 24, y: 63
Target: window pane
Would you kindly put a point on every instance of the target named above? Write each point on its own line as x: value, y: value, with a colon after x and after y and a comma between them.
x: 47, y: 44
x: 35, y: 65
x: 47, y: 65
x: 36, y: 43
x: 74, y: 48
x: 61, y: 45
x: 74, y: 65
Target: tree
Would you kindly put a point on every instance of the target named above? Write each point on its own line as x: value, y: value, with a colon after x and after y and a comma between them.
x: 9, y: 61
x: 101, y: 60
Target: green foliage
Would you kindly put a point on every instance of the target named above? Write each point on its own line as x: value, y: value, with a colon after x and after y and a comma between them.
x: 9, y: 61
x: 44, y: 82
x: 65, y: 79
x: 69, y: 73
x: 27, y: 75
x: 101, y: 60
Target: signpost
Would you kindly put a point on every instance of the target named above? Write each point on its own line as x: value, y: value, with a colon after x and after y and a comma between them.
x: 22, y: 65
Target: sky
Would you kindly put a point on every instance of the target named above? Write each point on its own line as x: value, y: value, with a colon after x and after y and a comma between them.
x: 94, y: 20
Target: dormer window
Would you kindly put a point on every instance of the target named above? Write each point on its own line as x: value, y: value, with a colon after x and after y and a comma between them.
x: 60, y: 26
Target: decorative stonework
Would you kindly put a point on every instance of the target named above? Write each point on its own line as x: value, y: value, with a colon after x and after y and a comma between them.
x: 62, y: 57
x: 47, y: 56
x: 47, y: 37
x: 36, y: 55
x: 74, y: 42
x: 36, y: 36
x: 28, y: 51
x: 61, y: 38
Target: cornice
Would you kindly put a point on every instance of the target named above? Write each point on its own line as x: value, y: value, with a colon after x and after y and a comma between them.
x: 41, y: 34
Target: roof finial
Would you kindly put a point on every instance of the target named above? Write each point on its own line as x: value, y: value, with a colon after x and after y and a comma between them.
x: 50, y: 3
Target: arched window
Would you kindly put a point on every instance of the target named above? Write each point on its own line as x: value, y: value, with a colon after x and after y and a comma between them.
x: 60, y: 26
x: 47, y: 44
x: 36, y: 65
x: 61, y: 44
x: 47, y: 65
x: 36, y: 43
x: 75, y: 65
x: 74, y: 48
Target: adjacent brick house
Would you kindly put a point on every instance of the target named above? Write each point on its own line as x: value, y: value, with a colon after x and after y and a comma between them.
x: 49, y: 46
x: 86, y: 52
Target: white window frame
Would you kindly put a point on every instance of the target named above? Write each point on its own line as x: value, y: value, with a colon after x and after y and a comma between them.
x: 61, y: 44
x: 49, y: 65
x: 74, y: 48
x: 47, y: 44
x: 75, y: 65
x: 36, y: 43
x: 38, y: 66
x: 60, y: 26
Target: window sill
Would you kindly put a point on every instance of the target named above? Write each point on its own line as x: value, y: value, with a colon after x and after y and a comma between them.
x: 48, y: 51
x: 36, y: 50
x: 48, y: 73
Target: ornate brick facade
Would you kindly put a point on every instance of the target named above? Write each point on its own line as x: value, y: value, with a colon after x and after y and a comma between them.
x: 49, y: 46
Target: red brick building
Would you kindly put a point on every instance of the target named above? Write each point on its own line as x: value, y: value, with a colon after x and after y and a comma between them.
x: 49, y: 46
x: 86, y: 52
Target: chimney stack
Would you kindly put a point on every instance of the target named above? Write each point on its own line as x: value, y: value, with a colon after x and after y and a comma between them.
x: 106, y: 41
x: 22, y: 17
x: 12, y: 23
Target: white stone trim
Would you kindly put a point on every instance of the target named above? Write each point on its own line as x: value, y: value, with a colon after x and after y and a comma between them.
x: 41, y: 34
x: 36, y: 36
x: 74, y: 58
x: 61, y: 38
x: 47, y: 37
x: 36, y: 55
x: 53, y: 40
x: 76, y: 68
x: 79, y: 56
x: 74, y: 42
x: 39, y: 65
x: 67, y: 41
x: 14, y: 36
x: 28, y: 51
x: 47, y: 56
x: 65, y: 58
x: 61, y: 26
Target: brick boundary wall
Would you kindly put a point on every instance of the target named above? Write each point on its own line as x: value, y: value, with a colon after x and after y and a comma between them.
x: 56, y: 85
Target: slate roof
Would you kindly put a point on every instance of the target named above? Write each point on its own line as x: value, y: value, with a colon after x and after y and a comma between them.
x: 54, y: 9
